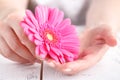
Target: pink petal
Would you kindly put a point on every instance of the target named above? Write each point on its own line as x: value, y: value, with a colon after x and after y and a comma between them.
x: 32, y: 30
x: 42, y: 54
x: 67, y: 53
x: 60, y: 18
x: 41, y: 13
x: 43, y: 51
x: 73, y: 49
x: 62, y: 60
x: 26, y: 27
x: 37, y: 50
x: 68, y: 30
x: 29, y: 23
x: 51, y: 19
x: 57, y: 18
x: 63, y: 24
x: 26, y: 30
x: 47, y: 47
x: 69, y: 37
x: 23, y: 24
x: 57, y: 51
x: 59, y: 54
x: 53, y: 56
x: 31, y: 16
x: 69, y: 41
x: 37, y: 42
x: 31, y: 37
x: 37, y: 36
x: 69, y: 59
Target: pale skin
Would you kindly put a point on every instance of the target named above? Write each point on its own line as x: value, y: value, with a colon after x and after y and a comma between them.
x: 14, y: 44
x: 98, y: 36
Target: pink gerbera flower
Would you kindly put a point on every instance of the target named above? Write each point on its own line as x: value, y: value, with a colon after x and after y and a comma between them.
x: 54, y: 37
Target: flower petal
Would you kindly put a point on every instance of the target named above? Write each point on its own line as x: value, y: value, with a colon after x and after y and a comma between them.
x: 37, y: 50
x: 63, y: 24
x: 29, y: 22
x: 53, y: 56
x: 37, y: 42
x: 69, y: 59
x: 41, y: 13
x: 26, y: 27
x: 59, y: 54
x: 31, y: 16
x: 41, y: 52
x: 68, y: 30
x: 57, y: 51
x: 32, y: 30
x: 57, y: 18
x: 23, y: 24
x: 62, y: 60
x: 72, y: 49
x: 37, y: 36
x: 47, y: 47
x: 60, y: 18
x: 67, y: 53
x: 31, y: 37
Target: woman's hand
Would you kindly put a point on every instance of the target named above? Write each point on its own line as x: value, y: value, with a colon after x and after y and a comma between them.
x: 94, y: 44
x: 14, y: 44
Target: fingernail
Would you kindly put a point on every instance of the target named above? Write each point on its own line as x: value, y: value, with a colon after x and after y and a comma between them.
x: 51, y: 64
x: 68, y: 70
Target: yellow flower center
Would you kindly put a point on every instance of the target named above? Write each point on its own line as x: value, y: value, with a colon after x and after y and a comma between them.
x: 49, y: 36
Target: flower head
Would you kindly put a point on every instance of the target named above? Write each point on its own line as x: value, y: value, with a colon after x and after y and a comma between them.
x: 54, y: 36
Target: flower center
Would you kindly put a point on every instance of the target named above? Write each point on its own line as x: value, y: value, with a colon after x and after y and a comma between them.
x: 49, y: 36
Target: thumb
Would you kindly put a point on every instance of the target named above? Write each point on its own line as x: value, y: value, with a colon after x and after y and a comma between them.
x: 110, y: 39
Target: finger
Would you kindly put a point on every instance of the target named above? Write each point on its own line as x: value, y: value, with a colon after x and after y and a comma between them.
x: 14, y: 21
x: 0, y: 51
x: 66, y: 68
x: 108, y: 35
x: 86, y: 62
x: 110, y: 39
x: 15, y: 44
x: 8, y: 53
